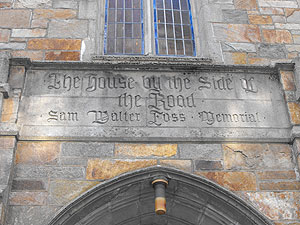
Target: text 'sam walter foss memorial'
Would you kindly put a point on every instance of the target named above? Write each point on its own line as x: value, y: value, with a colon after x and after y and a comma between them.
x: 169, y: 103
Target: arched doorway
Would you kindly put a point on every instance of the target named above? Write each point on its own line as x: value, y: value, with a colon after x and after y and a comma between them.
x: 129, y: 200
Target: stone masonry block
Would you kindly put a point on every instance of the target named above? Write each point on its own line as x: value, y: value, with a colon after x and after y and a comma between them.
x: 37, y: 152
x: 257, y: 19
x: 15, y: 18
x: 276, y: 175
x: 277, y: 36
x: 288, y: 81
x: 272, y: 51
x: 6, y: 163
x: 88, y: 9
x: 294, y: 109
x: 235, y: 181
x: 65, y: 4
x: 33, y: 55
x: 9, y: 110
x: 33, y: 215
x: 54, y: 44
x: 145, y: 150
x: 257, y: 156
x: 201, y: 151
x: 271, y: 11
x: 235, y: 16
x: 33, y: 4
x: 76, y: 29
x: 245, y: 4
x: 281, y: 185
x: 271, y: 204
x: 106, y: 169
x: 293, y: 16
x: 238, y: 47
x: 12, y: 46
x: 237, y: 32
x: 62, y: 56
x: 207, y: 165
x: 29, y: 185
x: 89, y: 149
x: 28, y: 198
x: 4, y: 35
x: 7, y: 142
x: 64, y: 191
x: 277, y: 4
x: 16, y: 77
x: 54, y: 14
x: 28, y: 33
x: 185, y: 165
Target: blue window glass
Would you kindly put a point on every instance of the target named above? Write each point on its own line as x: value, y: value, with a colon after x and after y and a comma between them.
x: 124, y: 27
x: 174, y: 34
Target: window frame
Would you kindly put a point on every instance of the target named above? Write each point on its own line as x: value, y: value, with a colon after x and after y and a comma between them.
x: 149, y: 31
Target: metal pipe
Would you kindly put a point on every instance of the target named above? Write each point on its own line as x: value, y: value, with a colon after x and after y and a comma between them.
x: 160, y: 195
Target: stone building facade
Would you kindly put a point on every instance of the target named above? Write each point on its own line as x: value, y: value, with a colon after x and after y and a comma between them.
x: 226, y: 120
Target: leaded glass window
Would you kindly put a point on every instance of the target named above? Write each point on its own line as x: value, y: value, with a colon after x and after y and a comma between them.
x: 174, y: 34
x: 124, y: 27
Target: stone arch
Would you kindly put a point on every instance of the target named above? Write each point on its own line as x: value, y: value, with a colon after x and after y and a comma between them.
x: 129, y: 200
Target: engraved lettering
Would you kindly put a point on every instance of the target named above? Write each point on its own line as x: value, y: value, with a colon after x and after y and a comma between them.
x: 100, y: 117
x: 248, y: 85
x: 127, y: 100
x: 204, y: 83
x: 53, y: 115
x: 54, y: 81
x: 62, y: 116
x: 152, y: 83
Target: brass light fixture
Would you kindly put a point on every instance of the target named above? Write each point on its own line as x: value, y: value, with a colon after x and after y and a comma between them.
x: 160, y: 185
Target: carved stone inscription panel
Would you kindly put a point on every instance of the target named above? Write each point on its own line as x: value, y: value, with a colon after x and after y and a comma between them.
x: 152, y: 105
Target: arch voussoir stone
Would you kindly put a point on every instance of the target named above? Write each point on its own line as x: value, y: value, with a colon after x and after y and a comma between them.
x: 129, y: 199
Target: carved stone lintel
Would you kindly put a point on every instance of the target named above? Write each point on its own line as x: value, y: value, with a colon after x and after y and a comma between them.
x: 5, y: 89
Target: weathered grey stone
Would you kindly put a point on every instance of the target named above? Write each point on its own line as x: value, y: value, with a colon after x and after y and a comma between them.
x: 4, y: 67
x: 13, y: 45
x: 33, y: 3
x: 88, y: 149
x: 235, y: 16
x: 88, y: 9
x: 33, y: 215
x: 297, y: 77
x: 271, y: 51
x: 208, y: 165
x: 200, y: 104
x: 65, y: 4
x: 68, y: 29
x: 51, y: 172
x: 200, y: 151
x: 238, y: 47
x: 72, y: 161
x: 32, y: 185
x: 294, y: 18
x: 6, y: 164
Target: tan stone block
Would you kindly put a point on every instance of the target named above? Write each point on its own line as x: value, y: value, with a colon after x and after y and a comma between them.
x: 7, y: 142
x: 15, y: 18
x: 287, y: 223
x: 54, y: 44
x: 54, y: 14
x: 294, y: 109
x: 28, y: 198
x: 276, y: 205
x: 282, y: 185
x: 257, y: 156
x: 296, y: 39
x: 277, y: 36
x: 106, y: 169
x: 33, y: 55
x: 62, y: 56
x: 276, y: 175
x: 239, y: 58
x: 258, y: 61
x: 290, y: 11
x: 64, y: 191
x: 235, y: 181
x: 144, y: 150
x: 288, y: 81
x: 37, y: 152
x: 4, y: 35
x: 242, y: 33
x: 245, y: 4
x: 8, y: 110
x: 179, y: 164
x: 292, y: 55
x: 257, y: 19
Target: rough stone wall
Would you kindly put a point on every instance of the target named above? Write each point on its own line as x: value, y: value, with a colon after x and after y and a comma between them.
x: 237, y: 31
x: 48, y: 175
